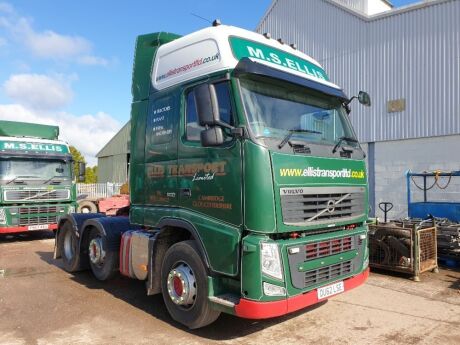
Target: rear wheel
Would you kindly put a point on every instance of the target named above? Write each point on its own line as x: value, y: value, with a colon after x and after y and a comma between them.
x: 184, y: 286
x: 68, y: 247
x: 103, y: 263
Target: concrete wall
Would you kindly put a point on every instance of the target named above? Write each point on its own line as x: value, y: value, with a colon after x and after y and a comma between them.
x: 394, y: 158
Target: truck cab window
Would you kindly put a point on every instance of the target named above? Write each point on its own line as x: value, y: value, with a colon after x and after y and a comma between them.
x: 193, y: 128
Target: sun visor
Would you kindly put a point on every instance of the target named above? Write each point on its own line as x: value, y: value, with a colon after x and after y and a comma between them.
x: 247, y: 66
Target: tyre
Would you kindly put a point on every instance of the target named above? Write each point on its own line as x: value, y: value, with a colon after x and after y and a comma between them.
x: 184, y: 286
x: 103, y: 262
x: 86, y: 206
x: 68, y: 247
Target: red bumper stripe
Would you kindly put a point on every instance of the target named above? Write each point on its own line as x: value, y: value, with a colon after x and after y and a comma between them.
x: 14, y: 229
x: 262, y: 310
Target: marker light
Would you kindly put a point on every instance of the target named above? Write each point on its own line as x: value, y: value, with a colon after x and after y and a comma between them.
x: 270, y: 261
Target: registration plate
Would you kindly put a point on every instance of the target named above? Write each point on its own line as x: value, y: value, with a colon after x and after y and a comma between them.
x: 38, y: 227
x: 330, y: 290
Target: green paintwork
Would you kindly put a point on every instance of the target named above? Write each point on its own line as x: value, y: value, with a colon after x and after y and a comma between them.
x: 243, y: 48
x: 234, y: 200
x: 30, y: 130
x: 146, y: 47
x: 259, y: 205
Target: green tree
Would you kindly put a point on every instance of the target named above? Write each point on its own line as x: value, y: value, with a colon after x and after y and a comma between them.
x: 77, y: 157
x: 91, y: 174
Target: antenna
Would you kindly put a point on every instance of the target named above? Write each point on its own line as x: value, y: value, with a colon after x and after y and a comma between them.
x: 196, y: 15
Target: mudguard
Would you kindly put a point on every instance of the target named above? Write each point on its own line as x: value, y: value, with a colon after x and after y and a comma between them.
x: 111, y: 227
x: 77, y: 220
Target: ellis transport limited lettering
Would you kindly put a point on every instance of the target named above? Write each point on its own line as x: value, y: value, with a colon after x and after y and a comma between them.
x: 318, y: 172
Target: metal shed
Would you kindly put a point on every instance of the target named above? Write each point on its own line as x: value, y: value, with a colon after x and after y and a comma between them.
x: 113, y: 158
x: 407, y: 58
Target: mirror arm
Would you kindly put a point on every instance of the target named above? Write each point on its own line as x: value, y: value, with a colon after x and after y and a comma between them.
x: 349, y: 101
x: 223, y: 124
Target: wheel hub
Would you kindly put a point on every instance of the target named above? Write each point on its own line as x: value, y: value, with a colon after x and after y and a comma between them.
x: 96, y: 251
x: 182, y: 285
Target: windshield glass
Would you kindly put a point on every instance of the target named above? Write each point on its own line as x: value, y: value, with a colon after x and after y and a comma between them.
x: 29, y: 168
x: 275, y: 109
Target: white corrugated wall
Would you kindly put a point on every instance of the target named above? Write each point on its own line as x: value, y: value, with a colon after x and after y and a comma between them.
x: 412, y: 54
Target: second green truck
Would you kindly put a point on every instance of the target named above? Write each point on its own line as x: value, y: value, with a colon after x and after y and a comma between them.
x: 248, y: 187
x: 36, y: 186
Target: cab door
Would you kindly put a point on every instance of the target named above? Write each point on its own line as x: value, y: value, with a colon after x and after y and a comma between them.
x: 210, y: 178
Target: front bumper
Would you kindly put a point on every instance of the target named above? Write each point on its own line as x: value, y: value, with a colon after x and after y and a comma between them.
x: 263, y: 310
x: 15, y: 229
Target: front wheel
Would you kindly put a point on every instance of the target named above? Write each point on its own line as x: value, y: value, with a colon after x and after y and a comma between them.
x: 184, y: 286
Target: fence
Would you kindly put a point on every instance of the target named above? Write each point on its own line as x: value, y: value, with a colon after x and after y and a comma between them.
x: 98, y: 190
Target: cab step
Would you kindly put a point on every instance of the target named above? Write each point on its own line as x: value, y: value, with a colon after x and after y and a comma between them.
x: 228, y: 299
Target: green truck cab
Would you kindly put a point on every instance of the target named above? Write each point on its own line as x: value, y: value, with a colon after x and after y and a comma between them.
x: 36, y: 187
x: 248, y: 187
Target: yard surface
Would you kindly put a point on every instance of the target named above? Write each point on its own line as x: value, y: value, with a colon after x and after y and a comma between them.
x: 42, y: 304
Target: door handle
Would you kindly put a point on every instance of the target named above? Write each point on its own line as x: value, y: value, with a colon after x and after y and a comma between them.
x: 186, y: 192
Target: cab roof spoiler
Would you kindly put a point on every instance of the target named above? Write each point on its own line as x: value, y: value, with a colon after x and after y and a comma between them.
x: 247, y: 66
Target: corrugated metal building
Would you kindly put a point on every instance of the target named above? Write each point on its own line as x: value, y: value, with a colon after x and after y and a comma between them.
x: 113, y: 158
x: 408, y: 59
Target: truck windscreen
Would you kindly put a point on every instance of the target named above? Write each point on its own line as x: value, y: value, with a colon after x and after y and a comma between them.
x: 39, y: 169
x: 275, y: 109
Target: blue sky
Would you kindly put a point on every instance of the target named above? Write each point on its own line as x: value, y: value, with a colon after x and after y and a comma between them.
x: 69, y: 62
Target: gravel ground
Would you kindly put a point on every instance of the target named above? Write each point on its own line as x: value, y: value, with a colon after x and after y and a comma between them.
x: 42, y: 304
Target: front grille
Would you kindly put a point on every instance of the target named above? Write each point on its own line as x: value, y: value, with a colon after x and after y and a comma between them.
x: 36, y: 194
x: 329, y: 247
x: 320, y: 205
x: 307, y: 264
x: 327, y: 273
x: 38, y: 220
x: 39, y: 209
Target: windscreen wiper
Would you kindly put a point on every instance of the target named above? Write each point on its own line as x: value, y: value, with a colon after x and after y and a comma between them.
x: 295, y: 130
x: 18, y: 177
x: 51, y: 178
x: 342, y: 139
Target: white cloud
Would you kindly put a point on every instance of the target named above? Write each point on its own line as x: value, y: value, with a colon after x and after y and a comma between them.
x: 39, y: 91
x: 3, y: 42
x: 88, y: 133
x: 93, y: 60
x: 48, y: 44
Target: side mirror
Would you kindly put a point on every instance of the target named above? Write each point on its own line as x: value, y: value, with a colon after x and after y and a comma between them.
x: 207, y: 106
x: 81, y: 171
x: 212, y: 136
x: 364, y: 98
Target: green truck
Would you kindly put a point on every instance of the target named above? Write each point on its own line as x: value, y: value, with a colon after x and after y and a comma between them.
x: 248, y: 188
x: 35, y: 177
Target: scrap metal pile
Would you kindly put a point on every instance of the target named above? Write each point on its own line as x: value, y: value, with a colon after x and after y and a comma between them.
x: 403, y: 246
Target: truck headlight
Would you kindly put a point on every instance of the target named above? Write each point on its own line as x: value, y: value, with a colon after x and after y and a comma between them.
x: 2, y: 216
x: 270, y: 261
